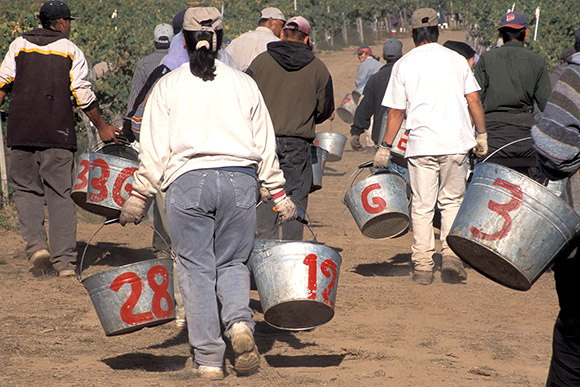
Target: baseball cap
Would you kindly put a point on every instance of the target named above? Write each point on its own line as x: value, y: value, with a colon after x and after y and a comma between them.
x: 163, y: 33
x: 54, y: 10
x: 365, y: 50
x: 424, y: 17
x: 514, y: 20
x: 203, y: 19
x: 298, y: 23
x: 392, y: 49
x: 273, y: 13
x: 460, y: 48
x: 177, y: 21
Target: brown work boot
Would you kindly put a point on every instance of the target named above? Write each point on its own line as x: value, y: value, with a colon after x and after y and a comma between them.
x: 452, y: 270
x: 423, y: 277
x: 247, y: 356
x: 40, y: 262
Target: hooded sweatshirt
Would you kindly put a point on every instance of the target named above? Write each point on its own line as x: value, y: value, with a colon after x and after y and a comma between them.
x: 296, y: 86
x: 42, y: 69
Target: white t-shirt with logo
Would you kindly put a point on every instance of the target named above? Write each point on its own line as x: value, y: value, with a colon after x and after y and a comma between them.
x: 430, y: 83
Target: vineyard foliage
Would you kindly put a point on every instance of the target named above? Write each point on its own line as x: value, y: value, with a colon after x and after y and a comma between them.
x: 119, y: 32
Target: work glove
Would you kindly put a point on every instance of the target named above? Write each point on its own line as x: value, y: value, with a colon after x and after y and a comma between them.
x: 134, y: 209
x: 265, y: 195
x: 480, y: 149
x: 381, y: 159
x: 355, y: 143
x: 286, y: 209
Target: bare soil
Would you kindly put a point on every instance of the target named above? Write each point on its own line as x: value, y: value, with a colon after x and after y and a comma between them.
x: 387, y: 330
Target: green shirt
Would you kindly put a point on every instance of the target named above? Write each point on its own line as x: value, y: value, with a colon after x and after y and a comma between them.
x: 512, y: 77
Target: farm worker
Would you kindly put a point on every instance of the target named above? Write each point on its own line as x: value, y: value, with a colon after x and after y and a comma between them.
x: 440, y: 136
x: 162, y: 35
x: 370, y: 105
x: 297, y: 88
x: 462, y: 49
x: 556, y: 138
x: 41, y: 134
x: 509, y: 91
x: 556, y: 74
x: 206, y: 149
x: 369, y: 65
x: 248, y: 46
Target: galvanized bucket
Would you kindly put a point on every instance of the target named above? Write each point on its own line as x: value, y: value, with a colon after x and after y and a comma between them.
x: 110, y: 178
x: 509, y: 227
x: 358, y: 92
x: 346, y: 109
x: 332, y: 142
x: 133, y: 296
x: 399, y: 143
x: 319, y: 156
x: 379, y: 204
x: 81, y: 183
x: 297, y: 283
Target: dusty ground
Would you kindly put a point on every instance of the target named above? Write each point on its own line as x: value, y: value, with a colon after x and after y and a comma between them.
x: 387, y: 330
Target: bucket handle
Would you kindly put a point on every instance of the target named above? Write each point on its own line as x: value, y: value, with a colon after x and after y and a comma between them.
x: 111, y: 221
x: 352, y: 178
x: 505, y: 146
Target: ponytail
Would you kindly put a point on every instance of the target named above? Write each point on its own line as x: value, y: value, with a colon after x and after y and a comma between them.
x: 202, y: 52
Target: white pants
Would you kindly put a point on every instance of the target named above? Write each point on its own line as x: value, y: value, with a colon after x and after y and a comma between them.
x: 435, y: 180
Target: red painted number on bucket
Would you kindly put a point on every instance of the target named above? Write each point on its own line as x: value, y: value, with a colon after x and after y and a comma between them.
x: 160, y: 291
x: 378, y: 202
x: 310, y: 261
x: 328, y: 268
x: 127, y: 309
x: 118, y: 185
x: 503, y: 210
x: 402, y: 144
x: 100, y: 183
x: 82, y: 176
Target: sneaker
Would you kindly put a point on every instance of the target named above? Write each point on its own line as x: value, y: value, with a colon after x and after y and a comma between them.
x: 209, y: 372
x: 452, y: 270
x: 247, y: 356
x: 423, y: 277
x: 67, y: 273
x: 40, y: 262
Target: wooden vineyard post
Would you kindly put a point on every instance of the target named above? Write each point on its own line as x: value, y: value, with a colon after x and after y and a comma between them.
x: 3, y: 174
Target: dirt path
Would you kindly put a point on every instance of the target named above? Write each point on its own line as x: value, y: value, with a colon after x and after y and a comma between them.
x: 387, y: 330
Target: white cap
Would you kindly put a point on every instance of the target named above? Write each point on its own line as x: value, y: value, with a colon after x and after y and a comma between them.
x: 163, y: 33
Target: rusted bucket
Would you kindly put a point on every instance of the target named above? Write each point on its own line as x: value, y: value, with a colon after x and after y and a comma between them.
x: 379, y: 204
x: 297, y: 283
x: 509, y: 227
x: 319, y: 156
x: 333, y: 143
x: 133, y: 296
x: 346, y: 109
x: 110, y: 178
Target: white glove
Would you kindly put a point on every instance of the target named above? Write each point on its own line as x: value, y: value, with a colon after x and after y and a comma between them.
x: 480, y: 149
x: 134, y: 209
x: 381, y: 159
x: 265, y: 195
x: 286, y: 209
x: 355, y: 143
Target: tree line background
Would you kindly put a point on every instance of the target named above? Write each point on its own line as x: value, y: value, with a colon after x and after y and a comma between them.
x: 119, y: 32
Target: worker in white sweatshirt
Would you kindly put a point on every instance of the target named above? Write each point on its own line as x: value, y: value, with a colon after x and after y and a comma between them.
x: 207, y: 140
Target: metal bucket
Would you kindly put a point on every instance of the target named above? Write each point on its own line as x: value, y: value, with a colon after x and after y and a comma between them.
x: 81, y: 183
x: 379, y: 204
x: 319, y: 156
x: 509, y: 227
x: 399, y: 143
x: 110, y: 178
x: 332, y: 142
x: 346, y: 109
x: 297, y: 283
x: 133, y: 296
x: 358, y: 92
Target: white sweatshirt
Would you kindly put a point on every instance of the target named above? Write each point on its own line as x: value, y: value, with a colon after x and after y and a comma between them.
x: 190, y: 124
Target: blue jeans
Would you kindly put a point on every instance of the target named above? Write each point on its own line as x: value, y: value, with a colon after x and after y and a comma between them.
x: 212, y: 218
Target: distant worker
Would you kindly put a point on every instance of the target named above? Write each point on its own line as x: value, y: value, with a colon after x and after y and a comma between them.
x: 162, y: 35
x: 297, y: 88
x: 437, y: 99
x: 566, y: 53
x: 45, y: 71
x: 248, y: 46
x: 370, y: 105
x: 462, y: 49
x: 512, y: 80
x: 368, y: 65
